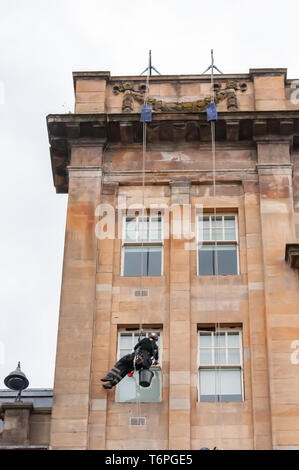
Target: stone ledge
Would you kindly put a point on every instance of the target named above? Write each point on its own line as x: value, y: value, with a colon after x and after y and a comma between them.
x: 12, y: 447
x: 17, y: 406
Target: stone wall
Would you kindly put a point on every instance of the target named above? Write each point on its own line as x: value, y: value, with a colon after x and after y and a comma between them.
x: 257, y: 171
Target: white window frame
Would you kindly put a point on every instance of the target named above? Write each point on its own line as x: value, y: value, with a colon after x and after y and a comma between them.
x: 214, y: 366
x: 135, y: 336
x: 219, y: 242
x: 137, y: 243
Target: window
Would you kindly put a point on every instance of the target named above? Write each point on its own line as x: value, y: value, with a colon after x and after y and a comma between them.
x: 220, y: 365
x: 224, y: 232
x: 142, y: 246
x: 126, y: 389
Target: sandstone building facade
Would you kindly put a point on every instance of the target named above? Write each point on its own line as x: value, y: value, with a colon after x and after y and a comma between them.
x: 97, y: 155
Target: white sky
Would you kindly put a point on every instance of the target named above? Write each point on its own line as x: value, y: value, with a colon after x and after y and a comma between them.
x: 41, y: 43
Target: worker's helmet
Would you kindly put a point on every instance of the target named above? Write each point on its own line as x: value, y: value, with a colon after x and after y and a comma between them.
x: 154, y: 336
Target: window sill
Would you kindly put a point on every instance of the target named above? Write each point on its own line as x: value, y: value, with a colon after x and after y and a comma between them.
x: 121, y: 276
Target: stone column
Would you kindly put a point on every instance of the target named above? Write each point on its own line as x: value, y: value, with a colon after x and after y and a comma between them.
x: 261, y: 417
x: 16, y: 424
x: 69, y: 426
x: 179, y: 326
x: 281, y: 287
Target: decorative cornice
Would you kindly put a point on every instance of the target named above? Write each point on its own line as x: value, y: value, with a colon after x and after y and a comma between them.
x: 236, y: 129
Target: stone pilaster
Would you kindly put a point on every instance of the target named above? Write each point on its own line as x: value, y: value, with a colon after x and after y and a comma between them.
x: 281, y: 287
x: 103, y: 339
x: 261, y: 416
x: 180, y: 327
x: 69, y: 427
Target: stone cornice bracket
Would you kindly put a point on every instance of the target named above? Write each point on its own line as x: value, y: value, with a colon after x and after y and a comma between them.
x: 85, y: 171
x: 274, y: 166
x: 180, y: 192
x: 292, y: 255
x: 87, y: 142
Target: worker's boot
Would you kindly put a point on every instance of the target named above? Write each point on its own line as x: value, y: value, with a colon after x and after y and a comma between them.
x: 107, y: 378
x: 111, y: 384
x: 108, y: 385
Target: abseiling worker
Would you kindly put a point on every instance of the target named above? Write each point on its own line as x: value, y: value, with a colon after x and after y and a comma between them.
x: 145, y: 352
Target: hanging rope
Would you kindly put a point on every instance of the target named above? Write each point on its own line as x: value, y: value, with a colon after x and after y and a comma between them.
x: 143, y: 224
x: 214, y: 229
x: 143, y: 211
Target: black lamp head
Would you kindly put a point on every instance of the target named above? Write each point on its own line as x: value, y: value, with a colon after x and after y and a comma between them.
x: 16, y: 380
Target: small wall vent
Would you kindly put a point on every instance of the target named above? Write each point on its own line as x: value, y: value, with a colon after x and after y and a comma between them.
x: 138, y: 421
x: 141, y: 293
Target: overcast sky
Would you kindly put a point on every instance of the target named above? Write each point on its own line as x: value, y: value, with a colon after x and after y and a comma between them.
x: 41, y: 43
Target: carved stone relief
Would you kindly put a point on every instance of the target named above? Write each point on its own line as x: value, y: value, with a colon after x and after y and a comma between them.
x: 223, y: 91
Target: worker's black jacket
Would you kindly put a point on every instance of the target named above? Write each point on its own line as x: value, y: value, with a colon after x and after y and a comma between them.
x: 149, y: 345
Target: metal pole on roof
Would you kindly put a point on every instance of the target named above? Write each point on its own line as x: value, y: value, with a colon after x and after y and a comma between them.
x: 150, y: 66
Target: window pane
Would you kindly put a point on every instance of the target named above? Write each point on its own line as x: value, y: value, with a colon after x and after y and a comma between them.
x: 218, y: 221
x: 159, y: 340
x: 230, y: 234
x: 124, y: 352
x: 132, y: 261
x: 205, y: 340
x: 218, y: 233
x: 219, y: 340
x: 206, y: 234
x: 231, y: 382
x: 207, y: 382
x: 154, y: 261
x: 136, y: 337
x: 229, y: 221
x: 205, y: 222
x: 233, y: 340
x: 224, y: 385
x: 156, y: 235
x: 143, y: 227
x: 206, y: 260
x: 125, y: 341
x: 220, y: 357
x: 234, y: 356
x: 127, y: 389
x: 130, y: 230
x: 227, y: 260
x: 152, y: 393
x: 155, y: 224
x: 205, y: 357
